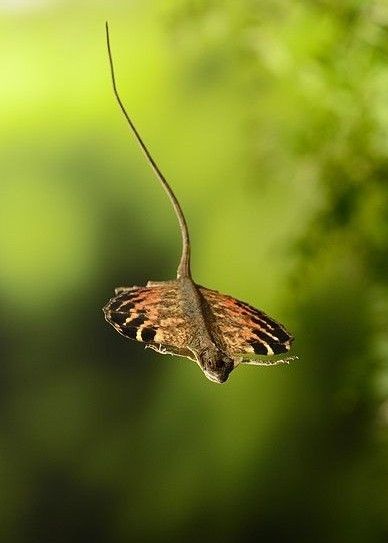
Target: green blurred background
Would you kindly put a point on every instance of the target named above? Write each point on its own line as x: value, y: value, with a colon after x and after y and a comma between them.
x: 270, y: 118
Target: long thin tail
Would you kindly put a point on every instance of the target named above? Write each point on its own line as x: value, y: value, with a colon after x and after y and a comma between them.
x: 184, y: 264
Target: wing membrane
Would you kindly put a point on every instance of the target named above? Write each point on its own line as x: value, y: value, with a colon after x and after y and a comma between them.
x: 151, y: 314
x: 244, y: 329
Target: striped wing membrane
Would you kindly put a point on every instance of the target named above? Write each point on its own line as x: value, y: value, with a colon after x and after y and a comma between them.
x: 244, y: 329
x: 150, y: 314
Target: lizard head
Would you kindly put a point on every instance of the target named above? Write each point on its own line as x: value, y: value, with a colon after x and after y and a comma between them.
x: 216, y: 365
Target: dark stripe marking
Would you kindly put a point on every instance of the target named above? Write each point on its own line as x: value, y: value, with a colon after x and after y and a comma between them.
x: 257, y: 314
x: 148, y: 334
x: 261, y: 321
x: 258, y: 347
x: 129, y: 331
x: 275, y: 346
x: 115, y: 304
x: 127, y: 306
x: 274, y: 330
x: 117, y: 318
x: 138, y: 321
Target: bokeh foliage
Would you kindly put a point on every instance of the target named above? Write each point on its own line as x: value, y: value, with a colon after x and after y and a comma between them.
x: 271, y: 120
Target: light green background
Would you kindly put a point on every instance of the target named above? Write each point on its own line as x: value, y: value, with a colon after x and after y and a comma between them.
x: 270, y: 119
